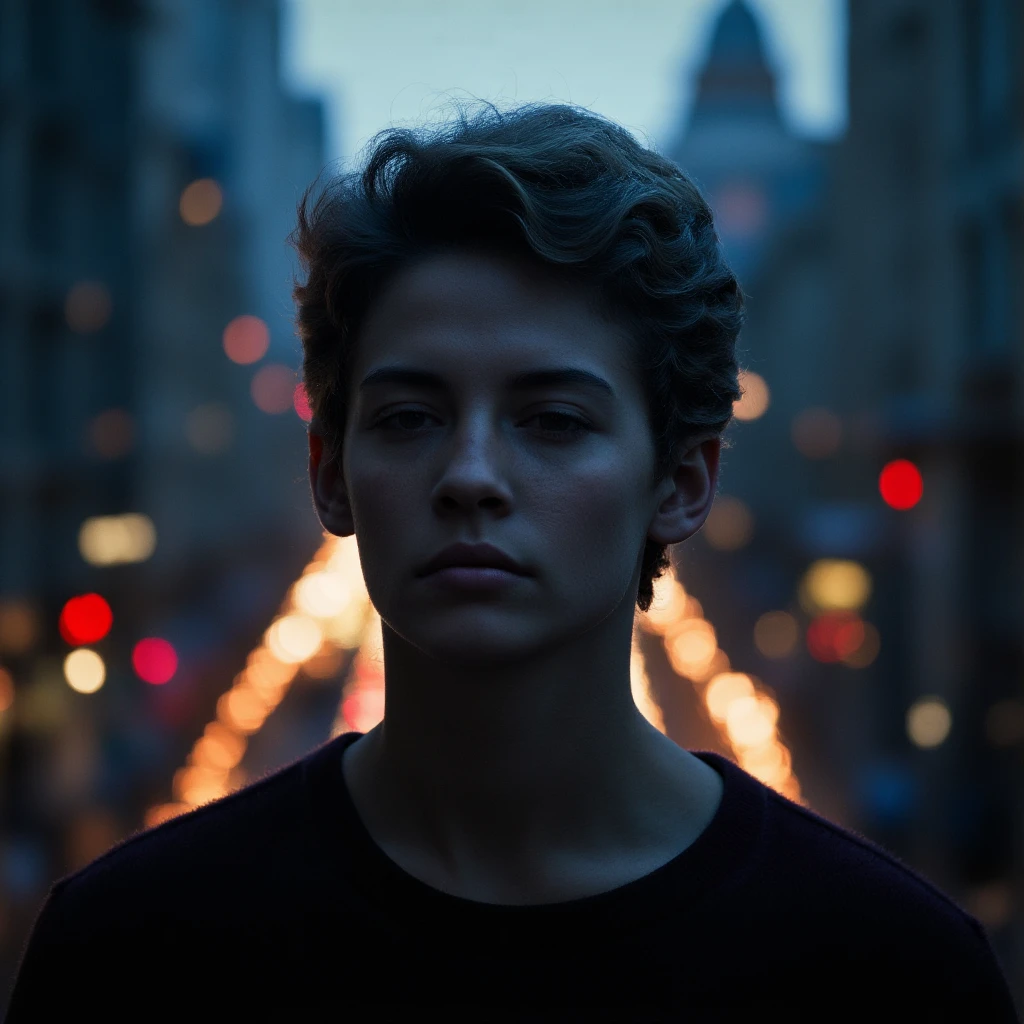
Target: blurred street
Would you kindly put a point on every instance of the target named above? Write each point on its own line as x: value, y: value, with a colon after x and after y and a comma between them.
x: 848, y: 626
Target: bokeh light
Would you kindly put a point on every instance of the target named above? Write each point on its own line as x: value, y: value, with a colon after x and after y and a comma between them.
x: 200, y: 202
x: 84, y: 670
x: 116, y: 540
x: 691, y: 647
x: 776, y: 634
x: 272, y: 388
x: 112, y: 433
x: 294, y: 638
x: 817, y: 433
x: 87, y: 307
x: 85, y: 619
x: 1004, y: 723
x: 834, y: 636
x: 300, y: 402
x: 865, y: 654
x: 154, y: 660
x: 928, y: 722
x: 750, y: 720
x: 834, y: 584
x: 754, y: 402
x: 246, y: 340
x: 322, y: 594
x: 723, y: 689
x: 19, y: 626
x: 210, y: 428
x: 6, y: 690
x: 900, y: 484
x: 730, y: 524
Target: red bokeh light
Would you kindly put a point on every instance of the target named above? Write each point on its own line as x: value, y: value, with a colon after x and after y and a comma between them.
x: 246, y: 340
x: 272, y: 388
x: 85, y: 619
x: 834, y: 636
x: 900, y: 484
x: 154, y: 660
x: 301, y: 402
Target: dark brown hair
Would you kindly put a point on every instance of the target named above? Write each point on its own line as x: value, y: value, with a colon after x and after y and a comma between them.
x: 562, y: 186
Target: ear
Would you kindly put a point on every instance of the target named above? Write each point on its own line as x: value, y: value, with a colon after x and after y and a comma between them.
x: 327, y: 484
x: 686, y: 495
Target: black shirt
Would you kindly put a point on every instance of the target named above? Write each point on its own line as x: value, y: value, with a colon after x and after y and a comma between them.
x: 275, y: 903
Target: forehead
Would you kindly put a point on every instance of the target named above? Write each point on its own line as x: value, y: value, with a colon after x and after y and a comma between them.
x: 477, y: 311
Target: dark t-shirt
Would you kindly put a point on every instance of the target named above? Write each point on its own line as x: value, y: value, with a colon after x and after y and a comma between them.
x: 275, y: 902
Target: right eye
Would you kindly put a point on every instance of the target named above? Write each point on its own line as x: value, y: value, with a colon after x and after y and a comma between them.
x: 402, y: 424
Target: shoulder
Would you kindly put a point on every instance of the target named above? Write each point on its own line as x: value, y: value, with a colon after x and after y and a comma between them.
x: 217, y: 846
x: 862, y: 890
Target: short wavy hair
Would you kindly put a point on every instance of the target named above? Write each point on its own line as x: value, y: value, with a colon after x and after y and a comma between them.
x: 558, y: 184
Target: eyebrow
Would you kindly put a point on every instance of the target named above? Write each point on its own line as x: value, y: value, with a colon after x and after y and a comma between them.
x: 528, y: 380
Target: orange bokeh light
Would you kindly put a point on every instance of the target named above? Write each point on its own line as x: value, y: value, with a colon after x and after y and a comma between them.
x: 835, y: 635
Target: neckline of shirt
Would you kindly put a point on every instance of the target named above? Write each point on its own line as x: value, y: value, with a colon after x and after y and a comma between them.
x: 364, y: 871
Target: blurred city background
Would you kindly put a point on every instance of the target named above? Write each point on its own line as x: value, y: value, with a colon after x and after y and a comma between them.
x: 847, y: 626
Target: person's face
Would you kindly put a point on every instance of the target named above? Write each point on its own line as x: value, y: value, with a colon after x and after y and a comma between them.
x: 555, y: 473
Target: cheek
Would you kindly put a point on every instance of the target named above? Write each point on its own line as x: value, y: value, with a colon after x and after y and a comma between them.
x: 596, y: 518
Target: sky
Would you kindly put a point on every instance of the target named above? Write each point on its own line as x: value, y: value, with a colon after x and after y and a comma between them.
x: 399, y: 61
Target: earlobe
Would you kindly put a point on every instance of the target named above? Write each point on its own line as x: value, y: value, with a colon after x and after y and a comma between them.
x: 327, y: 485
x: 682, y: 511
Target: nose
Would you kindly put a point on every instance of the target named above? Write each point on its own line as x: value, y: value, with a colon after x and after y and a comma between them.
x: 473, y: 471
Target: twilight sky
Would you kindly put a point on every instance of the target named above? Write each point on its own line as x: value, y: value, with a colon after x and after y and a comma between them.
x: 377, y: 62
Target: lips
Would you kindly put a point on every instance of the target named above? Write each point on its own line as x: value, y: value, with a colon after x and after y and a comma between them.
x: 472, y: 556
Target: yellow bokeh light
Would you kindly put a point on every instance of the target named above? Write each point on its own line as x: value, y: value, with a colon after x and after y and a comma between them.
x: 84, y: 670
x: 835, y: 584
x: 294, y: 638
x: 729, y: 525
x: 322, y: 594
x: 770, y: 762
x: 241, y: 710
x: 776, y: 634
x: 325, y: 664
x: 928, y: 722
x: 160, y: 813
x: 723, y: 689
x: 200, y: 202
x: 750, y: 721
x: 668, y: 606
x: 115, y: 540
x: 692, y: 647
x: 195, y: 785
x: 755, y: 399
x: 346, y: 628
x: 219, y: 748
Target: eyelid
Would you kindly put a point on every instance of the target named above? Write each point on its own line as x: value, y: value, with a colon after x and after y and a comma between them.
x: 579, y: 418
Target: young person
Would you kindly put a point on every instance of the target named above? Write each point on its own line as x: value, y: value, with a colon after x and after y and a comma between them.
x: 519, y: 334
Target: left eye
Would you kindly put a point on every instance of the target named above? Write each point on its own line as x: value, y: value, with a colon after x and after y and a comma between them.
x: 564, y: 424
x: 571, y: 424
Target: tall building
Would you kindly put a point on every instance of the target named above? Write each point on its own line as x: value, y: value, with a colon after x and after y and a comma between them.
x: 770, y: 191
x: 151, y: 162
x: 932, y: 339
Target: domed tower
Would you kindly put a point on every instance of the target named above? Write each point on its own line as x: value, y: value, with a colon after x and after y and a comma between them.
x: 757, y: 176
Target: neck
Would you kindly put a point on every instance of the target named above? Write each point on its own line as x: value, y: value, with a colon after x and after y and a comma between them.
x: 513, y: 766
